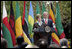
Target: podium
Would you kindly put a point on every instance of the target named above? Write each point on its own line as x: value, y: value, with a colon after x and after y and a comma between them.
x: 43, y: 32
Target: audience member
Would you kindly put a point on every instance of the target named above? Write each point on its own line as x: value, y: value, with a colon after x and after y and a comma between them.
x: 64, y: 47
x: 54, y: 45
x: 31, y: 46
x: 64, y: 42
x: 3, y: 43
x: 20, y: 42
x: 42, y: 43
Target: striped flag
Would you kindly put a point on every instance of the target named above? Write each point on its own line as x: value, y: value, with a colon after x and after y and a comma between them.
x: 52, y: 17
x: 7, y: 31
x: 31, y: 22
x: 12, y: 23
x: 18, y: 25
x: 58, y: 22
x: 12, y: 19
x: 25, y: 23
x: 55, y: 39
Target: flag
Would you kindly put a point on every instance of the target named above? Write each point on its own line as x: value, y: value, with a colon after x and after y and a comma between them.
x: 43, y: 9
x: 6, y: 28
x: 31, y: 22
x: 7, y: 36
x: 55, y: 38
x: 52, y: 17
x: 37, y: 9
x: 25, y: 19
x: 12, y: 19
x: 52, y: 8
x: 18, y: 25
x: 12, y: 24
x: 58, y: 22
x: 25, y: 23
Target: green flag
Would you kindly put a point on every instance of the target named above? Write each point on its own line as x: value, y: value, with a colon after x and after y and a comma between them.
x: 26, y: 14
x: 37, y: 8
x: 7, y: 36
x: 6, y: 28
x: 58, y: 22
x: 43, y: 8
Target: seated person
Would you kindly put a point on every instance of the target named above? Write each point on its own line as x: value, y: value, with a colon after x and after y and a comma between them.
x: 42, y: 43
x: 53, y: 45
x: 31, y: 46
x: 63, y: 42
x: 64, y: 47
x: 3, y: 43
x: 20, y: 42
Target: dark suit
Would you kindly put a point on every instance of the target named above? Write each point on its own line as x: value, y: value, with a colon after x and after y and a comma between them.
x: 50, y: 24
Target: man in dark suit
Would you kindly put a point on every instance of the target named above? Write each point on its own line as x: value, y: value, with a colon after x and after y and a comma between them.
x: 49, y: 23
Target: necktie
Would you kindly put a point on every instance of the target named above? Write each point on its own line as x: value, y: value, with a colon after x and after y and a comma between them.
x: 45, y: 21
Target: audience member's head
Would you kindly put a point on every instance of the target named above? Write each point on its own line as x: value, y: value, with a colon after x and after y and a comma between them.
x: 3, y: 43
x: 31, y: 46
x: 20, y: 40
x: 54, y: 45
x: 23, y: 45
x: 64, y: 47
x: 63, y: 42
x: 42, y: 43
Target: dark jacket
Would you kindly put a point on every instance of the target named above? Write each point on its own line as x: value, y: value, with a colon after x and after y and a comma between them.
x: 50, y: 24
